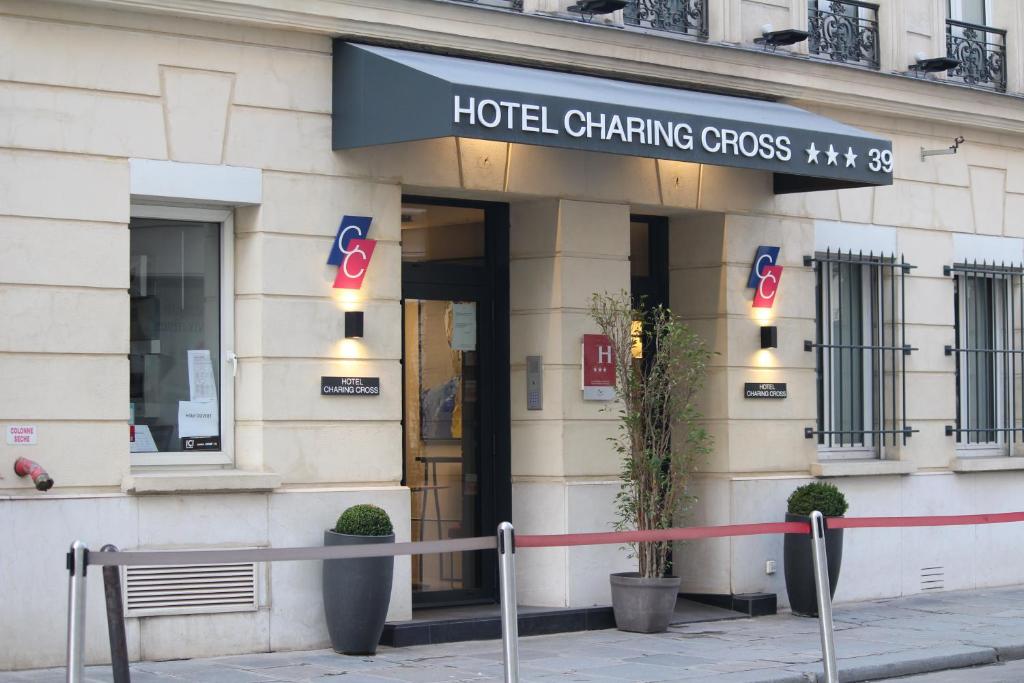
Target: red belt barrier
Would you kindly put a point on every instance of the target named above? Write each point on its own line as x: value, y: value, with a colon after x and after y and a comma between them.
x: 939, y: 520
x: 676, y: 534
x: 691, y: 533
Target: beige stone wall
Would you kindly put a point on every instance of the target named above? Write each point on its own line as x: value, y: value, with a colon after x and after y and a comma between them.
x: 564, y: 470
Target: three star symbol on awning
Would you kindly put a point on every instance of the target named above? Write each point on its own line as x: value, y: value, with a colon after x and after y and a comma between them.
x: 833, y: 156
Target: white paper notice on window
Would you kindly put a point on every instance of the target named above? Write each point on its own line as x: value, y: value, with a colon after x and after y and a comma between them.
x: 464, y: 326
x: 198, y: 418
x: 143, y: 441
x: 201, y: 384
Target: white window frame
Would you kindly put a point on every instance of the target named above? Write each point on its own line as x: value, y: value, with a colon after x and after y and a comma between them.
x: 868, y: 325
x: 228, y: 360
x: 826, y: 6
x: 956, y: 11
x: 999, y: 447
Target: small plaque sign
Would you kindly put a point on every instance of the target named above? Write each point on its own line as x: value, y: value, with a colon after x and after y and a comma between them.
x: 21, y: 435
x: 598, y: 362
x: 765, y: 390
x: 350, y: 386
x: 200, y: 443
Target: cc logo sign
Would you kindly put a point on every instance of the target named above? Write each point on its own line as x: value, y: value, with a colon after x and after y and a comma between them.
x: 352, y: 251
x: 764, y: 276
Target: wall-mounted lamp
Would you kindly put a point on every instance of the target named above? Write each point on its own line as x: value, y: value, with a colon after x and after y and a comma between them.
x: 353, y: 324
x: 773, y: 39
x: 923, y: 65
x: 593, y: 7
x: 769, y: 337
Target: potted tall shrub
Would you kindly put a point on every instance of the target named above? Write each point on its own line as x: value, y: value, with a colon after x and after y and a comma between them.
x: 660, y: 440
x: 357, y: 591
x: 799, y: 564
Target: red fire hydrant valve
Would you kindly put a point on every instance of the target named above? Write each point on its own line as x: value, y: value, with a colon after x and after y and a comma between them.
x: 25, y: 467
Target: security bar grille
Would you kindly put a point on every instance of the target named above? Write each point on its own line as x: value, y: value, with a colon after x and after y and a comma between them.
x: 989, y: 310
x: 190, y: 589
x: 860, y: 351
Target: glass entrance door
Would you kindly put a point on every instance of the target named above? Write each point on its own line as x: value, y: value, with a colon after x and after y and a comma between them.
x: 442, y: 437
x: 456, y: 412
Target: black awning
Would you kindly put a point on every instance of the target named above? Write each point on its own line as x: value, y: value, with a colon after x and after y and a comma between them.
x: 383, y: 95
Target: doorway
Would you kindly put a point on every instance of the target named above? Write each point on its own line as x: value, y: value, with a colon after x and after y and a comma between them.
x: 648, y: 260
x: 455, y: 361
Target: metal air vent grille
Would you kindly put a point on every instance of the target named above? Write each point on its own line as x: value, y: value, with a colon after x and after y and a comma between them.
x: 933, y: 578
x: 190, y: 589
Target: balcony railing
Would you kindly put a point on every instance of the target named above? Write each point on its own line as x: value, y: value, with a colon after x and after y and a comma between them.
x: 844, y: 31
x: 679, y: 16
x: 981, y: 51
x: 507, y: 4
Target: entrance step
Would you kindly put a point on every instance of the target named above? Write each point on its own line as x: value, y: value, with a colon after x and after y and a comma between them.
x: 483, y: 622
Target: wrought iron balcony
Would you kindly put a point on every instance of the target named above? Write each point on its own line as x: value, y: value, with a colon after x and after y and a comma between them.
x: 844, y: 31
x: 679, y: 16
x: 981, y: 51
x: 507, y: 4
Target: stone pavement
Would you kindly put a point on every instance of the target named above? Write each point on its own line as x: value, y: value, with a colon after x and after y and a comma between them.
x: 874, y: 640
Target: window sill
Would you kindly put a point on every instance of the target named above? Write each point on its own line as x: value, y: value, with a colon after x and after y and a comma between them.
x: 861, y: 468
x: 197, y: 481
x: 987, y: 464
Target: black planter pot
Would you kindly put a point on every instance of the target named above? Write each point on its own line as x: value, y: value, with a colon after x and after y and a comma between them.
x: 357, y: 592
x: 799, y: 566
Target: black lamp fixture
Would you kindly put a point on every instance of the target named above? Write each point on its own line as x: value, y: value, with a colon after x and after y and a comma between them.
x: 769, y: 337
x: 772, y: 39
x: 353, y: 324
x: 923, y: 65
x: 593, y: 7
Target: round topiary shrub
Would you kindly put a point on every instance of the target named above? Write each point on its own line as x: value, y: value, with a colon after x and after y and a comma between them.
x: 364, y: 520
x: 825, y: 498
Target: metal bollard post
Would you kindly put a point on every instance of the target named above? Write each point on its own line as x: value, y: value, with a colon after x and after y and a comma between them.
x: 115, y: 621
x: 77, y: 558
x: 828, y: 644
x: 509, y: 611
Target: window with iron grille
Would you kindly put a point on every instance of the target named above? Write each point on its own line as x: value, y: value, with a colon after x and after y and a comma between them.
x: 860, y: 352
x: 979, y: 47
x: 988, y: 309
x: 689, y: 17
x: 844, y: 31
x: 507, y: 4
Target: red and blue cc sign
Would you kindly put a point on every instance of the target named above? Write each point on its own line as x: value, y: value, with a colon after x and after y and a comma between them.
x: 352, y: 251
x: 764, y: 276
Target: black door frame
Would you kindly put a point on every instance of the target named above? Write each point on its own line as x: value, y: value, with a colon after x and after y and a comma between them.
x: 488, y: 285
x: 654, y: 287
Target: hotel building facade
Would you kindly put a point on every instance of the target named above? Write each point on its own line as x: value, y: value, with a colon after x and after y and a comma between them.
x: 266, y: 259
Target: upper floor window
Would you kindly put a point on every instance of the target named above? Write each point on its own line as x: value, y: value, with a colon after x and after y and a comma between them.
x: 980, y: 49
x: 844, y: 31
x: 987, y: 313
x: 860, y: 349
x: 681, y: 16
x: 181, y: 383
x: 970, y: 11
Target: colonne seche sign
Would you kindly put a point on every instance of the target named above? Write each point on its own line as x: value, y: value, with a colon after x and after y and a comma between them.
x: 384, y: 95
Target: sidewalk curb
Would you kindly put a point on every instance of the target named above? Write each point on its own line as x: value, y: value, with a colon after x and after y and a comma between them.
x: 1010, y: 652
x: 849, y: 672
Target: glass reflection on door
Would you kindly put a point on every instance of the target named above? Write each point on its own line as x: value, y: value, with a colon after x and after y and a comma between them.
x: 442, y: 437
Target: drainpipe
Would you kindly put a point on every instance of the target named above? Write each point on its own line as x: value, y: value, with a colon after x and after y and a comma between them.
x: 24, y: 466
